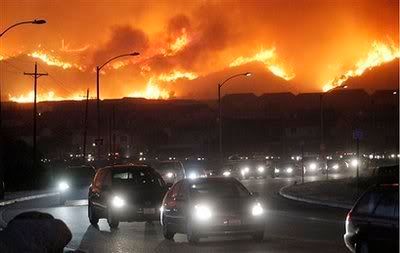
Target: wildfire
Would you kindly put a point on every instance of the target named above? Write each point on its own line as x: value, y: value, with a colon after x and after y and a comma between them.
x: 176, y: 74
x: 53, y: 61
x: 379, y: 54
x: 152, y: 92
x: 49, y: 96
x: 268, y: 58
x: 177, y: 45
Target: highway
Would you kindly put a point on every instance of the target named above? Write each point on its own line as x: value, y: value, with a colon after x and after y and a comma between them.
x: 290, y: 227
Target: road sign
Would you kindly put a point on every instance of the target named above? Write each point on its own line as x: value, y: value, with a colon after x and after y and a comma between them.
x: 357, y: 134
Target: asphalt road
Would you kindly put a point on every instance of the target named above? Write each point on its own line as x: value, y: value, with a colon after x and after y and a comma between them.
x: 290, y: 227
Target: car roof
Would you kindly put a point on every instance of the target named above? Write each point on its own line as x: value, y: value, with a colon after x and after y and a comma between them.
x: 211, y: 179
x: 128, y: 167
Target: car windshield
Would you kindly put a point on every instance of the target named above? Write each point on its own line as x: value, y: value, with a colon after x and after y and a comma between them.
x: 80, y: 172
x: 218, y: 189
x: 168, y: 166
x: 136, y: 178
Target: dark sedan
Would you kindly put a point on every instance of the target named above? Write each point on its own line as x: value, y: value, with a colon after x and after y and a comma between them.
x: 372, y: 225
x: 125, y: 193
x: 211, y: 206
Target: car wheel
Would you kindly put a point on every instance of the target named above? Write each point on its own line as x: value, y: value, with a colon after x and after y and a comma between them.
x: 168, y: 234
x: 92, y: 215
x: 362, y: 247
x: 113, y: 222
x: 191, y: 235
x: 258, y: 236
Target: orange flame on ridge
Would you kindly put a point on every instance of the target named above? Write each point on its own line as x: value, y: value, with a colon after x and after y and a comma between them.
x: 379, y: 54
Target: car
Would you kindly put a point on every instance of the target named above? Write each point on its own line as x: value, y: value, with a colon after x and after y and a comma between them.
x: 285, y: 169
x: 312, y: 166
x: 170, y: 171
x: 211, y: 206
x: 74, y: 182
x: 372, y: 225
x: 252, y: 169
x: 125, y: 193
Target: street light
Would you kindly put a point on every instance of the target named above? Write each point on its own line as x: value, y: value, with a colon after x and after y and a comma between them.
x: 98, y: 68
x: 35, y: 22
x: 322, y: 145
x: 246, y: 74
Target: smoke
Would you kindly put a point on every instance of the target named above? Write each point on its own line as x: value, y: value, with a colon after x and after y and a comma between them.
x: 317, y: 40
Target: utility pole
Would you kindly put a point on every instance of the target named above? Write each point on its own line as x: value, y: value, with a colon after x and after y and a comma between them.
x: 220, y: 128
x: 85, y: 125
x: 113, y: 132
x: 302, y: 162
x: 35, y: 75
x: 98, y: 140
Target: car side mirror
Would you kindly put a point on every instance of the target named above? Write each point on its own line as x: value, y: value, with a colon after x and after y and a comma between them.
x: 255, y: 194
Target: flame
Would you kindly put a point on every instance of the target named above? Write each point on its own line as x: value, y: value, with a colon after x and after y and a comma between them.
x: 49, y: 96
x: 178, y: 44
x: 379, y: 54
x: 176, y: 74
x: 53, y: 61
x: 268, y: 58
x: 152, y: 92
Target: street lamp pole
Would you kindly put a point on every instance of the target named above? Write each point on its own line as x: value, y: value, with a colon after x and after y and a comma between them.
x: 34, y: 22
x: 220, y: 114
x: 322, y: 141
x: 98, y: 69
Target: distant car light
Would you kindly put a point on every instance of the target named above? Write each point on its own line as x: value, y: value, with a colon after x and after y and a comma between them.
x: 354, y: 162
x: 202, y: 212
x: 260, y: 169
x: 63, y: 186
x: 118, y: 202
x: 193, y: 175
x: 257, y: 210
x: 245, y: 170
x: 313, y: 166
x: 277, y: 170
x: 226, y: 173
x: 170, y: 175
x: 289, y: 170
x: 335, y: 166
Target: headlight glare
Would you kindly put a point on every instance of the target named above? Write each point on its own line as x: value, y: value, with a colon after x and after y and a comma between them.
x: 313, y: 166
x: 170, y: 175
x: 335, y: 166
x: 118, y: 202
x: 289, y: 170
x: 277, y: 170
x: 260, y: 169
x: 257, y: 210
x: 63, y: 186
x: 226, y: 173
x: 202, y: 212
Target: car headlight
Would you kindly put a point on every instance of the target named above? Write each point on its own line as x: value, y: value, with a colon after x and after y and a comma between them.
x: 118, y: 202
x: 226, y: 173
x: 335, y: 166
x: 63, y: 186
x: 354, y: 162
x: 277, y: 170
x: 202, y: 212
x: 313, y: 166
x: 289, y: 170
x: 260, y: 169
x: 170, y: 175
x: 257, y: 210
x: 245, y: 170
x: 193, y: 175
